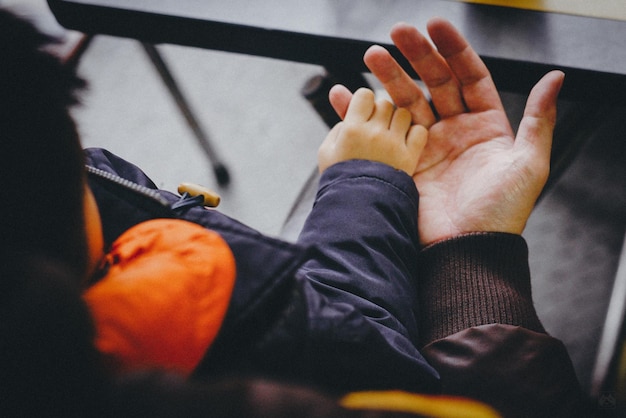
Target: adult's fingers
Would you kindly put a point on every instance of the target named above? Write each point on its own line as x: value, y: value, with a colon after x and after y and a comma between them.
x: 402, y: 89
x: 432, y: 68
x: 477, y: 89
x: 534, y: 135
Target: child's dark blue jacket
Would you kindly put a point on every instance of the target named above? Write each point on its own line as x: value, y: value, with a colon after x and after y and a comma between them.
x: 356, y: 303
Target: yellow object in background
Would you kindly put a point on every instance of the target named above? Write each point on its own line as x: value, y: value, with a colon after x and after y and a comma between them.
x: 607, y: 9
x: 425, y: 405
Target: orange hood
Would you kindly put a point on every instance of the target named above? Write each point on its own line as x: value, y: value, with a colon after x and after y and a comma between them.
x: 164, y: 297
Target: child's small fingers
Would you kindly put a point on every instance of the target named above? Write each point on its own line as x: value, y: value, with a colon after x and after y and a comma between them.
x: 383, y: 113
x: 401, y: 121
x: 361, y: 106
x: 416, y: 139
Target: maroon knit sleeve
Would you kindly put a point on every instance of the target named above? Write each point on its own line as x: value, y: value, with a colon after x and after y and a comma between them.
x: 472, y: 280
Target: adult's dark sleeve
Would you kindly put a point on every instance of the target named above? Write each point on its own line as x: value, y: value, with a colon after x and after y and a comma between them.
x: 480, y: 330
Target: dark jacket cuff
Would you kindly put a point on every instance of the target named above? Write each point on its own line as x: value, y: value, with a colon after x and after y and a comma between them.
x: 472, y: 280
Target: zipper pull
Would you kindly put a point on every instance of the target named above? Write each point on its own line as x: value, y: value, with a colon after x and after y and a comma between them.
x: 201, y: 194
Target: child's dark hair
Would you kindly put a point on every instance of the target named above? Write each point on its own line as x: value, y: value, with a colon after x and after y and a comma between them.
x: 42, y: 167
x: 50, y: 366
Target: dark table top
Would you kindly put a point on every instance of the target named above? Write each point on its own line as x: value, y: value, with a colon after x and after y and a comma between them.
x: 518, y: 45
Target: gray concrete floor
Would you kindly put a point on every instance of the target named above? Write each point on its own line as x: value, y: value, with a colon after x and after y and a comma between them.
x: 268, y: 136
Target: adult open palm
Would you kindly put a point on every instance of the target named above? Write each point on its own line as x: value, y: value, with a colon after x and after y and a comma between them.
x: 474, y: 174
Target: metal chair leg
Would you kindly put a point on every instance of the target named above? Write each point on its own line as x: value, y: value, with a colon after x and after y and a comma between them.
x: 220, y: 170
x: 72, y: 58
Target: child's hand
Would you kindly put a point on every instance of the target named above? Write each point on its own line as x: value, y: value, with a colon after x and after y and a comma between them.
x: 374, y: 130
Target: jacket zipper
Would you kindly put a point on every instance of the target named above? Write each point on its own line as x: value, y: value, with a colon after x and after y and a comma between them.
x: 129, y: 186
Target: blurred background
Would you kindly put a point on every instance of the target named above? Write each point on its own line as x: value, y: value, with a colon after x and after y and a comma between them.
x: 267, y: 134
x: 251, y: 108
